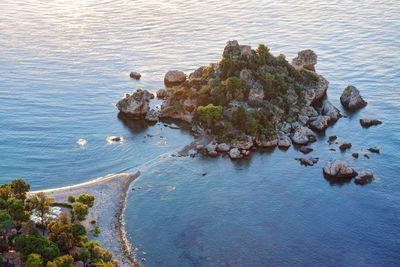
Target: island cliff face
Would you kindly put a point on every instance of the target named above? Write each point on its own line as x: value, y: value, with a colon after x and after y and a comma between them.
x: 249, y: 98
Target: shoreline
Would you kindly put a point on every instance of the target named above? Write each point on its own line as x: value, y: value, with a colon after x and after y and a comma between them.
x: 110, y: 194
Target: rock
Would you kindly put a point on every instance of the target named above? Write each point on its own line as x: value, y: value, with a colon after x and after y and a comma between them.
x: 243, y: 144
x: 305, y: 59
x: 212, y: 154
x: 365, y: 177
x: 232, y: 49
x: 317, y: 92
x: 307, y: 162
x: 223, y: 147
x: 245, y: 51
x: 368, y: 123
x: 267, y: 144
x: 284, y: 142
x: 151, y: 116
x: 355, y: 155
x: 330, y: 110
x: 351, y: 98
x: 306, y: 150
x: 135, y: 105
x: 198, y: 73
x: 303, y: 136
x: 319, y: 123
x: 345, y: 145
x: 256, y: 93
x: 234, y: 153
x: 247, y: 79
x: 374, y: 149
x: 246, y: 153
x: 174, y: 77
x: 161, y: 94
x: 332, y: 138
x: 135, y: 75
x: 211, y: 147
x: 113, y: 139
x: 199, y: 147
x: 332, y: 149
x: 81, y: 142
x: 338, y: 169
x: 302, y: 119
x: 309, y: 111
x: 367, y: 156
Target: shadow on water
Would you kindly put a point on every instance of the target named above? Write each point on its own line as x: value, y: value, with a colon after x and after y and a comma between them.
x: 333, y: 181
x: 134, y: 125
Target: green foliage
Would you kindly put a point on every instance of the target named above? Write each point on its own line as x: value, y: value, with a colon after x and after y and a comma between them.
x: 84, y: 254
x: 79, y: 211
x: 60, y: 233
x: 34, y: 260
x: 28, y: 244
x: 51, y: 264
x: 97, y: 231
x: 86, y: 199
x: 17, y: 210
x: 19, y: 188
x: 78, y: 230
x: 209, y: 114
x: 29, y: 228
x: 71, y: 199
x: 65, y: 261
x: 41, y: 205
x: 5, y: 220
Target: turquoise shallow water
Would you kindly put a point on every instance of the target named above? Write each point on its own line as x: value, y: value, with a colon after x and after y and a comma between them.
x: 63, y: 64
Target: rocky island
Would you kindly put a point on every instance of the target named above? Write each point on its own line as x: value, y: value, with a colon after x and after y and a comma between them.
x: 250, y: 99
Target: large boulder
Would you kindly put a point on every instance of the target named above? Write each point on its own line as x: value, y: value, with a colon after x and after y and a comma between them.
x: 351, y: 98
x: 303, y: 136
x: 319, y: 123
x: 232, y: 49
x: 368, y: 123
x: 330, y: 110
x: 305, y: 59
x: 174, y: 77
x: 338, y: 169
x: 315, y: 94
x: 136, y: 104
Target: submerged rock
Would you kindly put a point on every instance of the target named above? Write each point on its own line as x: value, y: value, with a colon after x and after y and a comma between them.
x: 306, y: 150
x: 345, y: 145
x: 137, y: 104
x: 307, y: 162
x: 305, y: 59
x: 174, y: 77
x: 374, y: 149
x: 338, y: 169
x: 368, y: 123
x: 135, y: 75
x: 303, y: 136
x: 332, y: 138
x: 355, y: 155
x: 351, y: 98
x: 367, y: 156
x: 365, y: 177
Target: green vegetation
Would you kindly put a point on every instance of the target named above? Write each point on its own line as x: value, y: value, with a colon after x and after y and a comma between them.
x: 244, y: 94
x: 66, y: 241
x: 71, y: 199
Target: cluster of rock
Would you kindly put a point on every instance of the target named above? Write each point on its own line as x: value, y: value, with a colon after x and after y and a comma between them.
x: 340, y: 169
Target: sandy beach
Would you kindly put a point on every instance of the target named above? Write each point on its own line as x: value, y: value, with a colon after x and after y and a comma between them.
x: 110, y: 193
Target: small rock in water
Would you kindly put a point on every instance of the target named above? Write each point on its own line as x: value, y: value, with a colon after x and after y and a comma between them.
x: 345, y: 145
x: 374, y: 149
x: 204, y: 174
x: 338, y: 169
x: 306, y: 150
x: 161, y: 94
x: 307, y: 162
x: 81, y: 142
x: 365, y: 177
x: 332, y: 138
x: 367, y: 156
x: 355, y: 155
x: 234, y: 153
x: 135, y: 75
x: 332, y: 149
x: 143, y: 259
x: 174, y: 77
x: 112, y: 139
x: 367, y: 122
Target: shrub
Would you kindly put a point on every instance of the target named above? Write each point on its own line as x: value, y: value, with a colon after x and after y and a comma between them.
x: 86, y: 199
x: 79, y: 211
x: 93, y: 221
x: 71, y: 199
x: 97, y: 231
x: 209, y: 114
x: 34, y: 260
x: 65, y: 261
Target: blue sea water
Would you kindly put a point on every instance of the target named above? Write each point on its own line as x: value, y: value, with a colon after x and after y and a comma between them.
x: 63, y: 64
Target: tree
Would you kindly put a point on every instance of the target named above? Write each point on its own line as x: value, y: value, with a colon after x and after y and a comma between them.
x: 34, y: 260
x: 5, y: 222
x: 84, y: 254
x: 86, y: 199
x: 28, y: 244
x: 5, y: 191
x: 17, y: 210
x: 79, y: 211
x: 51, y: 264
x: 29, y: 228
x: 209, y: 114
x: 79, y: 232
x: 65, y: 261
x: 41, y: 205
x: 19, y: 188
x: 61, y: 235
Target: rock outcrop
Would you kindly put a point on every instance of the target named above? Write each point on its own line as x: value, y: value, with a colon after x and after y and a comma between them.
x: 364, y: 177
x: 174, y: 77
x: 303, y: 136
x: 351, y: 98
x: 338, y: 169
x: 319, y: 123
x: 330, y: 110
x: 135, y: 105
x: 305, y: 59
x: 369, y: 122
x: 316, y: 93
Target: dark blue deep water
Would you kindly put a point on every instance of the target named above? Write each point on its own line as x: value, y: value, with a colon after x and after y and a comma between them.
x: 63, y: 64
